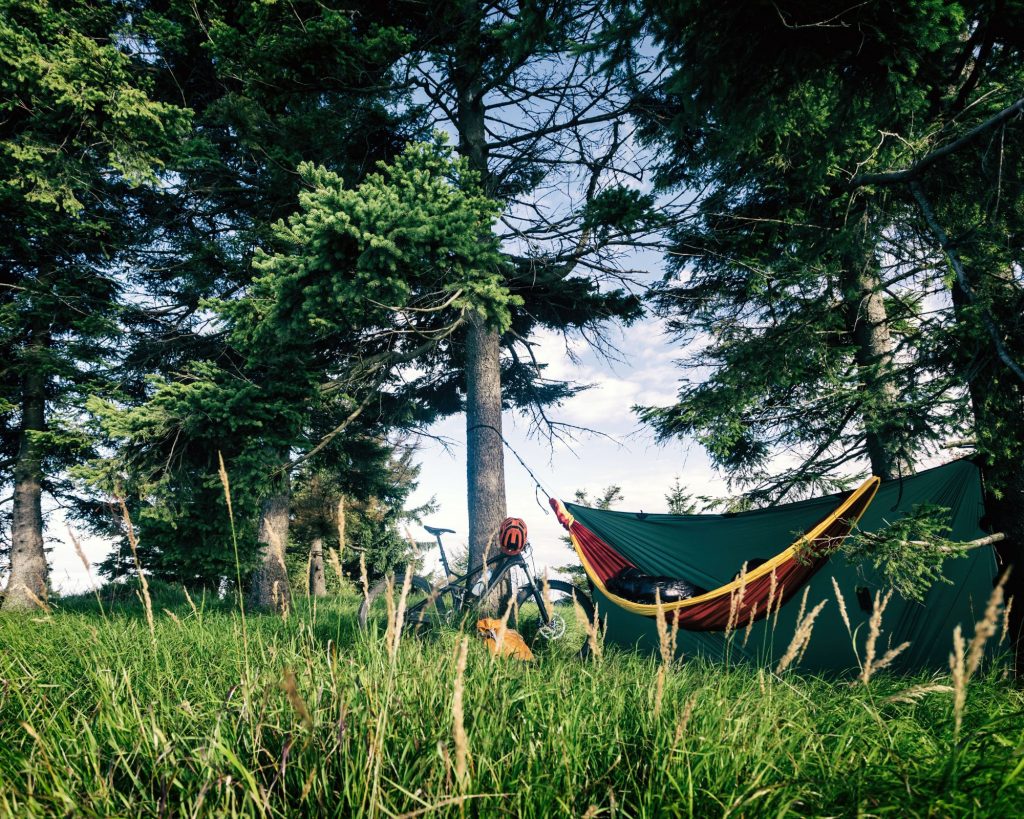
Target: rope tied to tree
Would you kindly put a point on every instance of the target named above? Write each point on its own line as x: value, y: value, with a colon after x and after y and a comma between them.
x: 538, y: 486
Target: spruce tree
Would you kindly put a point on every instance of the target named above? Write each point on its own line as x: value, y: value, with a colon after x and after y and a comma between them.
x: 271, y: 85
x: 885, y: 135
x: 80, y: 139
x: 549, y: 137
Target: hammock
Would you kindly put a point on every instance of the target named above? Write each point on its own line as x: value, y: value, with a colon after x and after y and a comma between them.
x: 751, y: 596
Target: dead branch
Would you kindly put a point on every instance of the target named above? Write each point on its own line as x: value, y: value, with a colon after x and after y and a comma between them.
x: 915, y: 170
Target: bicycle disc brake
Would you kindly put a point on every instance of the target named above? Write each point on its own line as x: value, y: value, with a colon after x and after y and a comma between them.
x: 554, y: 629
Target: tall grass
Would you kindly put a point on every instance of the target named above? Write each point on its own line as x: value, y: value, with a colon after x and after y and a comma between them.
x: 320, y: 718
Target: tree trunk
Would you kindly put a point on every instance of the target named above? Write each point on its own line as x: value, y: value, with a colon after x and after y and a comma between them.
x: 1004, y: 508
x: 317, y: 579
x: 485, y: 465
x: 27, y: 586
x: 269, y: 587
x: 997, y: 402
x: 339, y: 517
x: 868, y: 325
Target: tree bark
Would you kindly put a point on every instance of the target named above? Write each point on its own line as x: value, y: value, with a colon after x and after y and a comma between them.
x: 997, y: 402
x: 868, y: 324
x: 28, y: 584
x: 317, y: 578
x: 1004, y: 507
x: 269, y: 586
x: 485, y: 460
x: 339, y: 518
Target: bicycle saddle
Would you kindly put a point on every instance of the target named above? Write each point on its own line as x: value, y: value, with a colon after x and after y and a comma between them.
x: 436, y: 531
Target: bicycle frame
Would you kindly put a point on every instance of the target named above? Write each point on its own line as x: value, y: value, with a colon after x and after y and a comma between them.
x: 444, y: 557
x: 497, y: 568
x: 459, y: 598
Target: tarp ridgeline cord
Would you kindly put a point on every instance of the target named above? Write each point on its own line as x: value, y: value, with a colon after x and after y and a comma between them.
x: 537, y: 484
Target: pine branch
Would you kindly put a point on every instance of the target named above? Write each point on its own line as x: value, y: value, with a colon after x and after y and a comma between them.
x: 961, y: 276
x: 915, y: 170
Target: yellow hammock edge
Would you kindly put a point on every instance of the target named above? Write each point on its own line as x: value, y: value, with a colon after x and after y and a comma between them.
x: 651, y: 609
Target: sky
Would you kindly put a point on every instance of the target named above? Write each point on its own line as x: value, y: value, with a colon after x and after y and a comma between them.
x: 629, y: 456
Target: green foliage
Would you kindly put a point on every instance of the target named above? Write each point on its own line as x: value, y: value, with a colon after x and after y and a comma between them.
x: 166, y: 467
x: 619, y: 209
x: 413, y: 239
x: 680, y: 502
x: 374, y: 492
x: 774, y: 119
x: 201, y: 724
x: 542, y: 128
x: 909, y: 552
x: 311, y: 339
x: 604, y: 499
x: 270, y: 85
x: 83, y: 143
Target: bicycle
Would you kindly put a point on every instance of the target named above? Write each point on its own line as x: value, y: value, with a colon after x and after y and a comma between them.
x: 452, y: 601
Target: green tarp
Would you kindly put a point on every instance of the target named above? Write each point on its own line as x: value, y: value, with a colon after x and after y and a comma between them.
x: 709, y: 549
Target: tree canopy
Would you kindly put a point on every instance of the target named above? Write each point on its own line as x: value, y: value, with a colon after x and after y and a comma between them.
x: 237, y: 234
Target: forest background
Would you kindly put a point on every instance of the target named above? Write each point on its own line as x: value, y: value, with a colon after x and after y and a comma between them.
x: 282, y: 242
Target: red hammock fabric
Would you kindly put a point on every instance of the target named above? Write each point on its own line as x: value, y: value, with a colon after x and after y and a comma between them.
x: 753, y: 600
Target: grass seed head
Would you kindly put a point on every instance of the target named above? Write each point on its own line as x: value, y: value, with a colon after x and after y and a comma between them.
x: 334, y: 558
x: 958, y: 671
x: 684, y: 720
x: 773, y: 586
x: 985, y: 628
x: 592, y: 627
x: 659, y: 689
x: 1006, y: 620
x: 874, y: 631
x: 664, y: 646
x: 399, y: 624
x: 134, y: 544
x: 801, y: 637
x: 291, y: 690
x: 191, y: 602
x: 750, y: 624
x: 778, y: 605
x: 918, y: 692
x: 842, y: 606
x: 458, y: 717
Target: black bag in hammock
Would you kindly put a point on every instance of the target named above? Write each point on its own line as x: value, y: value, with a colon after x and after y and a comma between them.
x: 634, y: 585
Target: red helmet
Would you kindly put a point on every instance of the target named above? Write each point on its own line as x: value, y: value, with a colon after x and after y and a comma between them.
x: 512, y: 536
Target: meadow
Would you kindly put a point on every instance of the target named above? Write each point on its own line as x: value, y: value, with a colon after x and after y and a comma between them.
x: 205, y: 712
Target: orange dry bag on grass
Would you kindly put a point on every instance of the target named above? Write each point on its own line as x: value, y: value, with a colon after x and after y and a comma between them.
x: 507, y: 642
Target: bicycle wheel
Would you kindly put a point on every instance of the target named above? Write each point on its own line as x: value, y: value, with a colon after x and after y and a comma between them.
x: 551, y: 621
x: 426, y: 606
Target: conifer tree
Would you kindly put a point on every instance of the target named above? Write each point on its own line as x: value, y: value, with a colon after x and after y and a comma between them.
x: 271, y: 85
x: 80, y: 139
x: 548, y: 135
x: 882, y: 134
x: 369, y: 279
